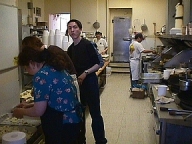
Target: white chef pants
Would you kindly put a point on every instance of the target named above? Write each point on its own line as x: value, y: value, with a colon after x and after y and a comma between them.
x: 135, y: 69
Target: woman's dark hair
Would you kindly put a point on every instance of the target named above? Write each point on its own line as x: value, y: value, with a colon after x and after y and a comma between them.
x: 77, y: 22
x: 53, y: 56
x: 32, y: 41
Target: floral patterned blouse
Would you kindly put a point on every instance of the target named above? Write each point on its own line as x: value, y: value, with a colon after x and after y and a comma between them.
x: 58, y: 89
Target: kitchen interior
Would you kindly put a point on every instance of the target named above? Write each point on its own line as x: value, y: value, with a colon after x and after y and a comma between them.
x: 167, y: 27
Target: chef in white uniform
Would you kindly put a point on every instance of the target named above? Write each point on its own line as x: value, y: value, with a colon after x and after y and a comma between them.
x: 101, y: 43
x: 135, y: 50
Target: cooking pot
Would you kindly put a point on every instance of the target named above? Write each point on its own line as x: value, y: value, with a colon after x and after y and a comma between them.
x: 185, y: 84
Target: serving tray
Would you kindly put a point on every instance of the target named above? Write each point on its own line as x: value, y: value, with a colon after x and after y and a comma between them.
x: 8, y: 119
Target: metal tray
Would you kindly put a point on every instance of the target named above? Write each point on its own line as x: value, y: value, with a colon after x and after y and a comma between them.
x: 8, y: 119
x: 151, y: 76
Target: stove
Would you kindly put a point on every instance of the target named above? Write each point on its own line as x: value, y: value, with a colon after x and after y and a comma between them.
x: 185, y: 99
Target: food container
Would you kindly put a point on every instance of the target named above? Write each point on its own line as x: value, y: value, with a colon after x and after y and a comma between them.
x: 185, y: 84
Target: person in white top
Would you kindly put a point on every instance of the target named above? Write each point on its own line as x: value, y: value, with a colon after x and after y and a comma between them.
x: 101, y: 43
x: 135, y: 50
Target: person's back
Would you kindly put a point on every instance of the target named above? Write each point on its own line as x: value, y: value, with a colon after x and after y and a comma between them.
x: 135, y: 50
x: 55, y: 95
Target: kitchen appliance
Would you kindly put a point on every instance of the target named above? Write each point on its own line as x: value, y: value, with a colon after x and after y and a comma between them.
x: 10, y: 26
x: 185, y: 85
x: 185, y: 99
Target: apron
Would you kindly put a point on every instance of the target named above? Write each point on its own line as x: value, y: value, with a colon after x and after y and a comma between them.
x: 135, y: 69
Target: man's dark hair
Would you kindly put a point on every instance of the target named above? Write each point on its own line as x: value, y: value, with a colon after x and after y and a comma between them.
x: 96, y: 33
x: 139, y: 35
x: 76, y: 21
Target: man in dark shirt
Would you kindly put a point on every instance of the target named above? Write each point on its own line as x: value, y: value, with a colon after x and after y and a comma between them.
x: 86, y: 62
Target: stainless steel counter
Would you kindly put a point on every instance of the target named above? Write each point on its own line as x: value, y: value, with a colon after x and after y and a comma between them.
x: 171, y: 129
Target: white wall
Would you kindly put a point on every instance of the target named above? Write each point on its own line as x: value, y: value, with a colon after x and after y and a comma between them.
x: 9, y: 2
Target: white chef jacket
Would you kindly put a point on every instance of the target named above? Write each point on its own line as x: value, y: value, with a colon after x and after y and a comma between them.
x: 101, y: 44
x: 135, y: 50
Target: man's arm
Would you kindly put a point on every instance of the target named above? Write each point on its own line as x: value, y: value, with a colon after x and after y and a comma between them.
x: 149, y: 51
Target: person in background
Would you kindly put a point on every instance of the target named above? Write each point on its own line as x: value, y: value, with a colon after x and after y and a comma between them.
x: 101, y: 43
x: 135, y: 50
x: 55, y: 95
x: 86, y: 62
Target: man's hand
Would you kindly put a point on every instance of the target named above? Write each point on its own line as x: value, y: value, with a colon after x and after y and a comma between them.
x: 81, y: 78
x: 154, y: 52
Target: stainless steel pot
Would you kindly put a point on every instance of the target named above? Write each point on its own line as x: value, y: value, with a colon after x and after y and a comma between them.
x: 185, y: 84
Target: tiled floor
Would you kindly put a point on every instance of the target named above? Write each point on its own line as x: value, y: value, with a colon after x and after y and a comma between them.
x: 127, y: 120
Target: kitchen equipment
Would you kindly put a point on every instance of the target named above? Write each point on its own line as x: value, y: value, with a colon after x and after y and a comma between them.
x: 166, y: 74
x: 185, y: 99
x: 144, y: 26
x: 162, y: 90
x: 15, y: 137
x: 175, y: 113
x: 176, y: 110
x: 8, y: 119
x: 96, y: 25
x: 185, y: 84
x: 11, y: 34
x: 163, y: 29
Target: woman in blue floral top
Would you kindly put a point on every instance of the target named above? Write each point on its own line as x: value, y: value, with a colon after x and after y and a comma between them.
x: 55, y: 95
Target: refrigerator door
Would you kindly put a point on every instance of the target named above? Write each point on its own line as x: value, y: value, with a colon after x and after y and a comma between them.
x: 9, y: 90
x: 9, y: 41
x: 9, y: 49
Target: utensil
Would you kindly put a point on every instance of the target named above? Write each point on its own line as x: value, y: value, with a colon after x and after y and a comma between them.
x: 174, y: 113
x: 176, y: 110
x: 144, y: 26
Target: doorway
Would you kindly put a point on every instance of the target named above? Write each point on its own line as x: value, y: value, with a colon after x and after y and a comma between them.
x: 121, y: 39
x: 117, y: 13
x: 59, y: 21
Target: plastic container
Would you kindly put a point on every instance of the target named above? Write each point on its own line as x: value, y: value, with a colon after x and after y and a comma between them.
x: 162, y: 90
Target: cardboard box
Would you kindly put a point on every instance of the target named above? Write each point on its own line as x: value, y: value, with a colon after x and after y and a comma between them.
x: 137, y: 93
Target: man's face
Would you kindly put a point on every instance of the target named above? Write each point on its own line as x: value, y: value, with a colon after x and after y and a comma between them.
x: 140, y: 40
x: 73, y: 30
x: 98, y: 36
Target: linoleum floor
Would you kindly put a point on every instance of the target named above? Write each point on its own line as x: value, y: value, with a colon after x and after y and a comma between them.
x: 127, y: 120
